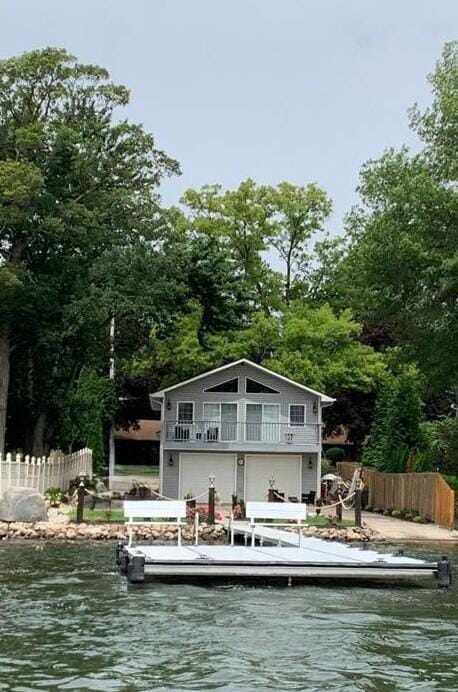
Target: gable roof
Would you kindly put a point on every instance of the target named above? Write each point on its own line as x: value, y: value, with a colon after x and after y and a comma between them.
x: 325, y: 400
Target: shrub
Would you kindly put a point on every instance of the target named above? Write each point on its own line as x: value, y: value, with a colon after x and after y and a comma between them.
x: 55, y: 496
x: 408, y: 516
x: 203, y: 514
x: 418, y: 519
x: 453, y: 482
x: 368, y: 508
x: 335, y: 454
x: 377, y: 510
x: 396, y: 513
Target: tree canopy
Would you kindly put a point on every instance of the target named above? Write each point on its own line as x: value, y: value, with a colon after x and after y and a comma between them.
x: 248, y: 272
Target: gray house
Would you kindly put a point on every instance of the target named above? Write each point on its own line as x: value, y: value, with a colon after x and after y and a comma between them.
x: 245, y: 425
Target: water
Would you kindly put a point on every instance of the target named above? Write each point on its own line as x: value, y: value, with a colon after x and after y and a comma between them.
x: 69, y: 622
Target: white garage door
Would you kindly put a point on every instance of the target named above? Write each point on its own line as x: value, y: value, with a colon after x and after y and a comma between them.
x: 195, y: 470
x: 284, y: 469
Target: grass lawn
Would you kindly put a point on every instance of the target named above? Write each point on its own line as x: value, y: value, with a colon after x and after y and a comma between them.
x: 116, y: 515
x: 324, y: 521
x: 136, y: 470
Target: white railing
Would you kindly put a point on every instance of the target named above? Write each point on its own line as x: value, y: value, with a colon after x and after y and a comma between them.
x: 268, y: 433
x: 41, y: 473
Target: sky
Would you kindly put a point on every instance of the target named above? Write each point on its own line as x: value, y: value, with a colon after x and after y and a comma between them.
x: 297, y: 90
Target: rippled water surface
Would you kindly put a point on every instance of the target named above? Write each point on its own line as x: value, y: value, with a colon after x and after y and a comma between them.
x: 69, y: 622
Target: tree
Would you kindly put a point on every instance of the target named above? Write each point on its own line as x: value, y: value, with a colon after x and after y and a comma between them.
x: 396, y: 432
x: 296, y: 213
x: 400, y: 273
x: 74, y: 182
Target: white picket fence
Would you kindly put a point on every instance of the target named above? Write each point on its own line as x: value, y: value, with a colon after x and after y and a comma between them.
x: 41, y: 473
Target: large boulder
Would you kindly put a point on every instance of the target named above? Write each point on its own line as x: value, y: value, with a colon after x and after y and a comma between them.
x: 23, y: 504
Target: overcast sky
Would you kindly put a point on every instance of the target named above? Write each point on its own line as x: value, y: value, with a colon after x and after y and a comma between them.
x: 298, y: 90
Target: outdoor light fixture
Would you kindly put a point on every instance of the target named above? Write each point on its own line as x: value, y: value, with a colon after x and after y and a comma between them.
x: 310, y: 463
x: 170, y: 460
x: 271, y: 481
x: 315, y: 407
x: 240, y: 462
x: 169, y: 404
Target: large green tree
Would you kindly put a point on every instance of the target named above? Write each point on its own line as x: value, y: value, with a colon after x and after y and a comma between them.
x: 75, y: 182
x: 400, y: 273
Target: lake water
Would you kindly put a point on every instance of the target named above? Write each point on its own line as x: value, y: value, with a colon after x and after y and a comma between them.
x: 69, y: 622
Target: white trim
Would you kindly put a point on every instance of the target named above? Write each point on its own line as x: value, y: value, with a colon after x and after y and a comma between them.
x: 219, y: 403
x: 193, y: 413
x: 206, y: 391
x: 210, y: 453
x: 297, y: 425
x: 244, y: 361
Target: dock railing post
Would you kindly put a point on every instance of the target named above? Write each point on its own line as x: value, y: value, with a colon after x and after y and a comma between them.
x: 196, y: 528
x: 358, y: 506
x: 211, y: 500
x: 81, y: 492
x: 339, y: 511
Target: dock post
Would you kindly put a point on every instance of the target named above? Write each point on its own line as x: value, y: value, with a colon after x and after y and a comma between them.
x: 339, y: 511
x: 358, y: 507
x: 444, y: 573
x: 136, y: 569
x: 211, y: 500
x: 80, y: 493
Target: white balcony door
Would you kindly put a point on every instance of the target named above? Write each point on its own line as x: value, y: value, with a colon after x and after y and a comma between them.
x: 262, y: 422
x: 220, y: 422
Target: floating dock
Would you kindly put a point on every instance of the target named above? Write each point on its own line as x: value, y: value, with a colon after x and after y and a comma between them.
x: 315, y: 559
x: 273, y: 554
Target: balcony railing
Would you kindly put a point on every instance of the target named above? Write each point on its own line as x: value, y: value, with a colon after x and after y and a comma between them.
x: 204, y: 432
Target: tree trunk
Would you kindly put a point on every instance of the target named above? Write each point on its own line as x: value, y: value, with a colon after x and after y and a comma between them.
x: 38, y: 435
x: 4, y: 381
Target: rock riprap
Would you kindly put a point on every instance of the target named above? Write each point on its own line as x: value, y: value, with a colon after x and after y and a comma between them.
x: 23, y: 505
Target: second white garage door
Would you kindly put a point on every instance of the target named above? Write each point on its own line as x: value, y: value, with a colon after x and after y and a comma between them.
x: 196, y: 468
x: 284, y: 469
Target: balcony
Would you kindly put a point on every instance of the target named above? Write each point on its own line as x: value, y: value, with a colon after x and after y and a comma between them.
x: 211, y: 432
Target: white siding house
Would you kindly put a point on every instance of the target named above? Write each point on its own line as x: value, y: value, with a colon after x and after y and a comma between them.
x: 245, y: 425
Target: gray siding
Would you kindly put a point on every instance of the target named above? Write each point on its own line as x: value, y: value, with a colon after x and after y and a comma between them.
x: 170, y: 474
x: 309, y: 476
x: 288, y: 394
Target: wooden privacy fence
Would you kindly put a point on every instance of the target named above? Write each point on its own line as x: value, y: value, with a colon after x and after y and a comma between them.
x: 41, y: 473
x: 426, y: 494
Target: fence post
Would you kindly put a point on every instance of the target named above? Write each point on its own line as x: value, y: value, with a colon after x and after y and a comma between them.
x: 358, y: 506
x: 80, y: 493
x: 211, y: 500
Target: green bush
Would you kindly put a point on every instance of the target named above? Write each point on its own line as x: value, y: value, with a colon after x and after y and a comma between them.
x: 397, y: 513
x: 55, y: 496
x: 408, y: 516
x: 368, y: 508
x: 335, y: 454
x: 387, y: 513
x: 418, y: 519
x: 452, y: 481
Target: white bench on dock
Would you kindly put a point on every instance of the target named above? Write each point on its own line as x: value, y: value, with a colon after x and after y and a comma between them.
x: 263, y: 513
x: 149, y: 511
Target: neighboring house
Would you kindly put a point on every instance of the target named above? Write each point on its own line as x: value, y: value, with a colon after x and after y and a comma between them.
x: 245, y: 425
x: 138, y: 445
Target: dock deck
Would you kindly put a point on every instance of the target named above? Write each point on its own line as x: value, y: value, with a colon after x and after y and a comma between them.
x: 315, y: 559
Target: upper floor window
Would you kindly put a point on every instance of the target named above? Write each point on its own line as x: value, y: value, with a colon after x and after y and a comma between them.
x: 185, y: 411
x: 227, y: 386
x: 254, y: 387
x: 297, y: 415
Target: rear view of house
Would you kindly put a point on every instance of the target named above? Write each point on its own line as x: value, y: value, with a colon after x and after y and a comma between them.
x: 246, y: 426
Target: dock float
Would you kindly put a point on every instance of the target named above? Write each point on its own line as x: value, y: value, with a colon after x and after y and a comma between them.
x: 292, y: 559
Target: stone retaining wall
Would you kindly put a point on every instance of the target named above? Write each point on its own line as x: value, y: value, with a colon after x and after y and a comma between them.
x: 160, y: 534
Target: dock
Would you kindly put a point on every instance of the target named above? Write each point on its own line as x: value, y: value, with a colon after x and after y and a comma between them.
x: 316, y: 559
x: 269, y: 554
